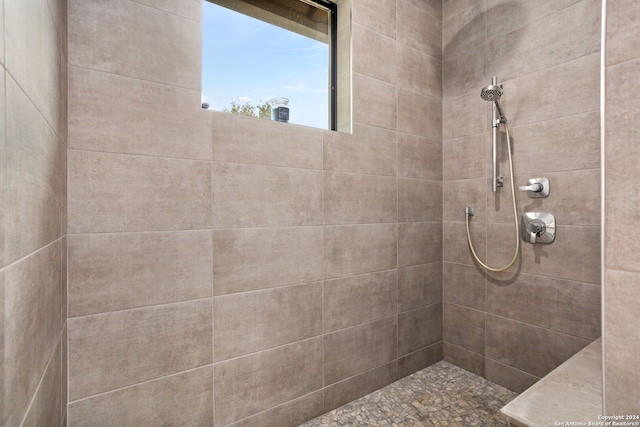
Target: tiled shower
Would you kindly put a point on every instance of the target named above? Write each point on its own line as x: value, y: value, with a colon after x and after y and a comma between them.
x: 166, y: 264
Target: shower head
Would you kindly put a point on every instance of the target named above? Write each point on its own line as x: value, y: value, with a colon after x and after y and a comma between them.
x: 492, y: 93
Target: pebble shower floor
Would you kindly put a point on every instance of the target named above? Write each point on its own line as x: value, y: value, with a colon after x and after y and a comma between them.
x: 437, y: 396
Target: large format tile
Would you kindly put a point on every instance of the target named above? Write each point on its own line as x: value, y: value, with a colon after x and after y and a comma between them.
x: 419, y: 30
x: 354, y: 350
x: 33, y: 178
x: 359, y: 299
x: 419, y: 72
x: 117, y: 192
x: 464, y: 327
x: 114, y: 350
x: 33, y: 57
x: 374, y: 102
x: 464, y: 285
x: 359, y: 385
x: 622, y: 31
x: 354, y: 249
x: 419, y: 114
x: 110, y: 272
x: 419, y: 328
x: 419, y: 285
x: 290, y: 414
x: 535, y: 47
x: 32, y: 319
x: 507, y: 15
x: 368, y: 149
x: 48, y: 398
x: 374, y: 54
x: 250, y: 384
x: 534, y: 350
x: 181, y: 399
x: 459, y: 194
x: 166, y: 49
x: 562, y: 305
x: 376, y: 15
x: 419, y: 200
x: 258, y: 258
x: 465, y: 158
x: 261, y: 196
x: 621, y: 342
x: 355, y: 198
x: 455, y: 247
x: 191, y: 9
x: 465, y: 116
x: 511, y: 378
x: 419, y: 243
x: 117, y: 114
x: 419, y: 360
x: 419, y: 157
x: 241, y: 139
x: 467, y: 360
x: 253, y: 321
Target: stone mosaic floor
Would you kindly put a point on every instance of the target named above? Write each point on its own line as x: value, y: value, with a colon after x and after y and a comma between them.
x: 440, y: 395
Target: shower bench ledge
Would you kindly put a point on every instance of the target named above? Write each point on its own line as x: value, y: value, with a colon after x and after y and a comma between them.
x: 570, y: 393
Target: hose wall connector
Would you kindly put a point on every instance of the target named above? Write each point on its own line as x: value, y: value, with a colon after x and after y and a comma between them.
x: 469, y: 211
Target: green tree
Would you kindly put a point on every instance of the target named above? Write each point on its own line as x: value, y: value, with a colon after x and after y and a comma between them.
x: 262, y: 109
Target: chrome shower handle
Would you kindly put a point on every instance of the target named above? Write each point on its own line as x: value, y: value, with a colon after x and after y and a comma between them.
x: 536, y: 187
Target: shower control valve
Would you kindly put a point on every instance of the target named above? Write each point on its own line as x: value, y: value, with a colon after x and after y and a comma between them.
x: 537, y: 188
x: 538, y: 227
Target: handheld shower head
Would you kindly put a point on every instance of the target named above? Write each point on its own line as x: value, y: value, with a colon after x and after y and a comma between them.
x: 492, y: 93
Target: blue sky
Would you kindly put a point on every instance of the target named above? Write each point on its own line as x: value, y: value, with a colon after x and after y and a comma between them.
x: 247, y: 59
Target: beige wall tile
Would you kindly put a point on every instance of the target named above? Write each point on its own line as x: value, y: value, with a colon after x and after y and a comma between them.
x: 110, y: 272
x: 535, y: 47
x: 418, y: 29
x: 419, y: 72
x: 458, y: 194
x: 250, y: 259
x: 466, y: 157
x: 507, y: 15
x: 355, y: 350
x: 374, y: 54
x: 191, y: 9
x: 419, y: 328
x: 574, y: 255
x: 419, y: 243
x: 46, y: 403
x: 621, y: 158
x: 419, y: 114
x: 181, y: 399
x: 259, y: 196
x: 250, y: 384
x: 465, y: 116
x: 359, y: 299
x: 32, y: 300
x: 455, y: 247
x: 419, y: 157
x: 357, y: 386
x: 113, y: 350
x: 420, y: 359
x: 33, y: 57
x: 116, y: 192
x: 562, y: 305
x: 464, y: 72
x: 464, y: 327
x: 419, y: 200
x: 117, y: 114
x: 374, y: 102
x: 419, y: 285
x: 465, y: 359
x: 33, y: 178
x: 531, y: 349
x: 351, y: 198
x: 376, y: 15
x: 253, y: 321
x: 463, y: 22
x: 368, y: 150
x: 574, y: 142
x: 577, y: 82
x: 508, y: 377
x: 3, y: 171
x: 166, y: 49
x: 622, y: 31
x: 464, y: 285
x: 290, y: 414
x: 241, y: 139
x: 621, y: 342
x: 354, y: 249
